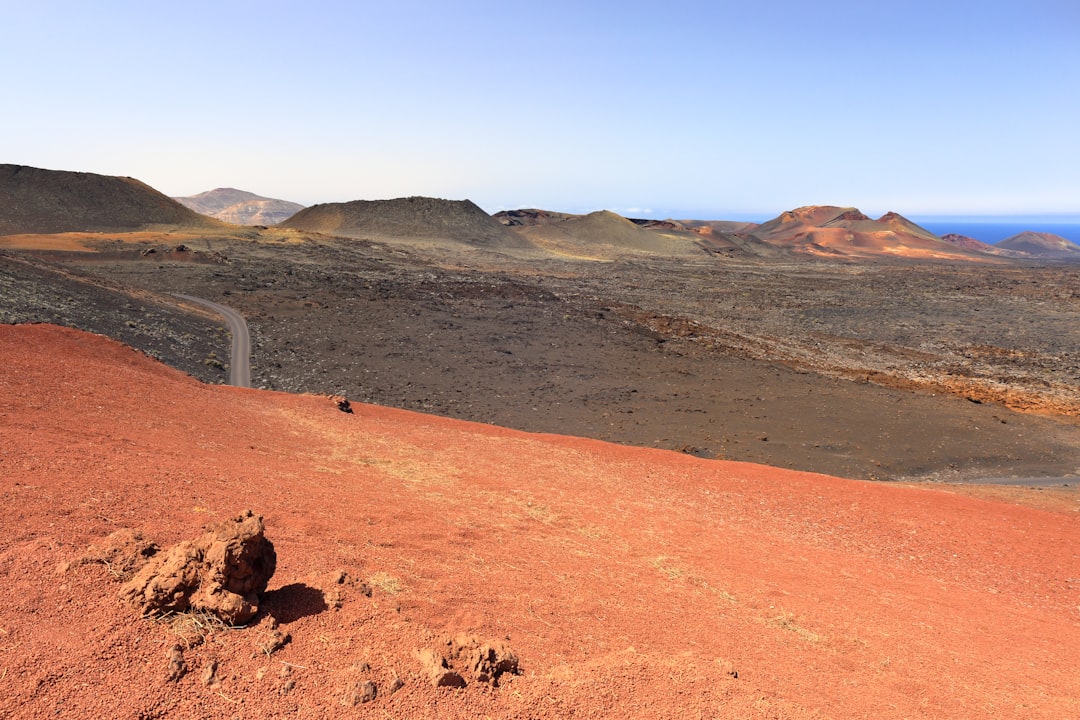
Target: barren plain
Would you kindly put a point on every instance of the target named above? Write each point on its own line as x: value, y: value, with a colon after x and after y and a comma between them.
x: 879, y: 370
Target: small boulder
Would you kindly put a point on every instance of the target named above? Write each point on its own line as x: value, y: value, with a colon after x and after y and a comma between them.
x: 221, y: 573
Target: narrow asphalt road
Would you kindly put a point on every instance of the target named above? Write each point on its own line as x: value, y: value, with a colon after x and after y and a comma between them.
x: 240, y: 354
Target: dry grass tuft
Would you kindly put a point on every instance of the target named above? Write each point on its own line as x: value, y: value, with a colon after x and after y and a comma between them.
x: 786, y: 621
x: 386, y: 582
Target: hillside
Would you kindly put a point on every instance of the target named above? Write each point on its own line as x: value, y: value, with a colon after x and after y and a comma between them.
x: 55, y: 201
x: 846, y: 231
x: 626, y: 582
x: 599, y: 234
x: 410, y: 219
x: 240, y: 207
x: 607, y: 235
x: 967, y: 243
x: 531, y: 216
x: 1042, y: 245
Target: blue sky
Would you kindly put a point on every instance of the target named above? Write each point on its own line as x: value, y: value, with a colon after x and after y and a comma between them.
x: 683, y: 109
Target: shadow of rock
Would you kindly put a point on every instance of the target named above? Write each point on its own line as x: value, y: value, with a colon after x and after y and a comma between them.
x: 292, y: 602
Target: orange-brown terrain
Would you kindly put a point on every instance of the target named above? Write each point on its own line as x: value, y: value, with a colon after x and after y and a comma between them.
x: 552, y: 576
x: 628, y: 582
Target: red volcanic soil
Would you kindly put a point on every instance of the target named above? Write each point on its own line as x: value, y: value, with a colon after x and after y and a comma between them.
x: 629, y: 582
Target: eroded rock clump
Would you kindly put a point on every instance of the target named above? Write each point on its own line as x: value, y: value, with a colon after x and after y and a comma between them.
x: 465, y: 658
x: 221, y: 573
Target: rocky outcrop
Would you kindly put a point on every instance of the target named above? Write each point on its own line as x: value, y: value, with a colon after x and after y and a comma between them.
x: 221, y: 573
x: 465, y: 658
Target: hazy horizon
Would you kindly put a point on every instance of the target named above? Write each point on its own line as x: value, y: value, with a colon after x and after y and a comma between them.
x: 677, y: 109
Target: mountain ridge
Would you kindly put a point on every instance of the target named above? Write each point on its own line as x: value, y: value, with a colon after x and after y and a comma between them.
x: 240, y: 207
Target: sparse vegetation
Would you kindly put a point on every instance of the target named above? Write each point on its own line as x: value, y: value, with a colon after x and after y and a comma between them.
x: 787, y: 621
x: 386, y: 582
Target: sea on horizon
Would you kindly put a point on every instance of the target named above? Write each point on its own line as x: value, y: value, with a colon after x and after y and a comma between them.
x: 994, y: 232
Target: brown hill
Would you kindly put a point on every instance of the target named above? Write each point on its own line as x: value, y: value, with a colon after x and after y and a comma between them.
x: 410, y: 219
x: 706, y: 227
x: 240, y: 207
x: 531, y: 216
x: 628, y: 582
x: 967, y: 243
x: 55, y: 201
x: 845, y: 231
x: 601, y: 234
x: 1042, y: 245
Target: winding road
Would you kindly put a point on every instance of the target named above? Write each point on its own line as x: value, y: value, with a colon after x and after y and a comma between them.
x: 240, y: 353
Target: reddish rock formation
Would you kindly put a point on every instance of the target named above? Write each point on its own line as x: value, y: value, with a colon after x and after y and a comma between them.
x: 221, y: 573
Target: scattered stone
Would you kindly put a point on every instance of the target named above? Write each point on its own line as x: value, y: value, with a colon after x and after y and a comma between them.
x: 357, y: 693
x: 221, y: 573
x: 395, y: 685
x: 275, y: 640
x: 177, y: 666
x: 728, y: 668
x: 209, y: 673
x: 342, y: 404
x: 286, y: 687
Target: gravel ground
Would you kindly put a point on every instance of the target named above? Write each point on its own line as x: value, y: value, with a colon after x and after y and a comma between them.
x: 879, y: 371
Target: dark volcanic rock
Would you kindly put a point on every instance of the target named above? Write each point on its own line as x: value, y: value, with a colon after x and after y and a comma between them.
x: 531, y: 216
x: 35, y: 291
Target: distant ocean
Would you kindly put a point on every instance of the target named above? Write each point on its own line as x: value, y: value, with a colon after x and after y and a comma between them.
x: 993, y: 233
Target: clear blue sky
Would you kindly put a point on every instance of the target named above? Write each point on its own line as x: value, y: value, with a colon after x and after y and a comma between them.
x: 706, y: 109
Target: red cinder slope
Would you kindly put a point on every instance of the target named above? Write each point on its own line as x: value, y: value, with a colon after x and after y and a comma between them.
x: 847, y: 232
x: 629, y: 582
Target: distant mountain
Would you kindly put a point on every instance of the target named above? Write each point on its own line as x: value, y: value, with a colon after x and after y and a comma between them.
x: 1042, y: 245
x: 240, y: 207
x: 410, y: 219
x: 39, y: 201
x: 708, y: 227
x: 845, y: 231
x: 530, y: 217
